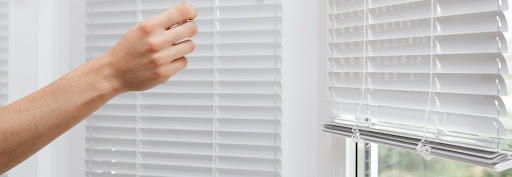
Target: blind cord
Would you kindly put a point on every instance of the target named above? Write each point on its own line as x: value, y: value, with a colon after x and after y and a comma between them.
x: 215, y: 63
x: 275, y: 92
x: 1, y: 45
x: 2, y: 84
x: 423, y: 148
x: 356, y: 136
x: 139, y: 110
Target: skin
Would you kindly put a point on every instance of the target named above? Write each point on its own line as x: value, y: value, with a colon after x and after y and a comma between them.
x: 146, y: 56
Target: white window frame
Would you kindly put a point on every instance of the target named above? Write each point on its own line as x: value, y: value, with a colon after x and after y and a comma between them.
x: 337, y: 155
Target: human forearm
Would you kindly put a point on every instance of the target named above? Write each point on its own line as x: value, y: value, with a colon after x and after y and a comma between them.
x: 146, y: 56
x: 32, y: 122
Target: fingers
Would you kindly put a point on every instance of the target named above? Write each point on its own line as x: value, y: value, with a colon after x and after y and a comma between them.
x: 162, y: 74
x: 175, y: 15
x: 177, y: 51
x: 179, y: 33
x: 177, y: 65
x: 170, y: 37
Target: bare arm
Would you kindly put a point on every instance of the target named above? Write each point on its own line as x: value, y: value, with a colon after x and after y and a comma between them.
x: 145, y: 57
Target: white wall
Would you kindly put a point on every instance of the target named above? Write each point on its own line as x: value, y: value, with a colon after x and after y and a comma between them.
x: 77, y: 134
x: 23, y: 63
x: 40, y: 53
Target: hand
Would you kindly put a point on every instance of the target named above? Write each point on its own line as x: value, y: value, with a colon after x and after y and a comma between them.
x: 145, y: 57
x: 148, y: 54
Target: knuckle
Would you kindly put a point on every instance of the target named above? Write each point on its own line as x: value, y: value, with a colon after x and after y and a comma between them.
x: 152, y: 46
x: 147, y: 27
x: 155, y: 60
x: 165, y: 74
x: 158, y: 74
x: 182, y: 11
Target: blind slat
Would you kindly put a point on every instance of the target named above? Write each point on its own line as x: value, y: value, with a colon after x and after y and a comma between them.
x: 418, y: 10
x: 447, y: 102
x: 485, y: 84
x: 400, y: 116
x: 450, y: 25
x: 486, y: 63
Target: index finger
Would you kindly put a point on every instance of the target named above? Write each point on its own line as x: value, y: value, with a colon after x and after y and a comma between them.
x: 175, y: 15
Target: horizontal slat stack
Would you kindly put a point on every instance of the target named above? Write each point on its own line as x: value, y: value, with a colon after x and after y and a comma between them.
x: 111, y: 131
x: 404, y: 65
x: 219, y: 117
x: 248, y: 77
x: 180, y: 112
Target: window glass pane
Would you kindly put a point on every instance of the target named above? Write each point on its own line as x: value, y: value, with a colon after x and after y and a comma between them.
x: 393, y: 162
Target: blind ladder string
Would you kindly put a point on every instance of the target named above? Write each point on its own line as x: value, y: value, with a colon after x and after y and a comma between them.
x: 368, y: 68
x: 498, y: 90
x: 333, y: 146
x: 215, y: 63
x: 498, y: 86
x: 89, y: 142
x: 139, y: 109
x: 423, y: 148
x: 2, y: 85
x: 276, y: 33
x: 356, y: 137
x: 1, y: 65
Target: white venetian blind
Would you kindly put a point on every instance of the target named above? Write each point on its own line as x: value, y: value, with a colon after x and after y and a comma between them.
x: 219, y: 117
x: 4, y: 50
x: 4, y: 53
x: 403, y: 72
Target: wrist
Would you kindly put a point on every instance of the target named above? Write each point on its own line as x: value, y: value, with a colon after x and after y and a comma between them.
x: 105, y: 77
